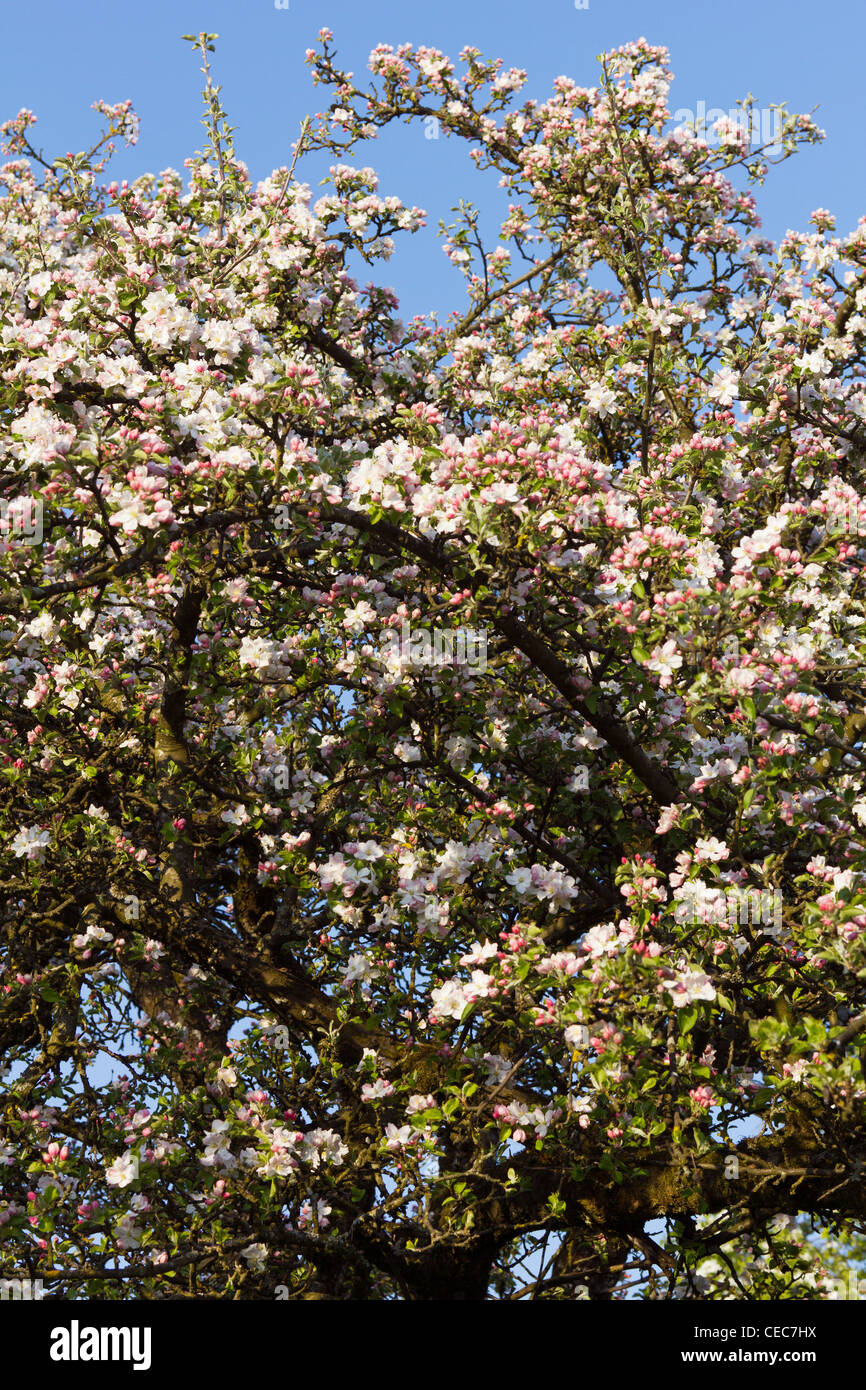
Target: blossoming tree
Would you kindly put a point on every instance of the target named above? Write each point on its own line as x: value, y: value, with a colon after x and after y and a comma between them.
x: 329, y: 971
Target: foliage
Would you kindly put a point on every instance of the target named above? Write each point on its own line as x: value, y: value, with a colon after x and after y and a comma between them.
x: 334, y: 971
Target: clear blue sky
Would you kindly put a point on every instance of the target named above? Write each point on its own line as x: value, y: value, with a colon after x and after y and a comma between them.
x: 59, y: 57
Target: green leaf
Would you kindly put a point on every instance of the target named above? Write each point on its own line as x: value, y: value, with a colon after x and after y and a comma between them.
x: 688, y: 1018
x: 767, y: 1032
x: 816, y: 1034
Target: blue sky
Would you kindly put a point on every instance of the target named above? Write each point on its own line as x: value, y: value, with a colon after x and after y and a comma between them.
x: 60, y: 57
